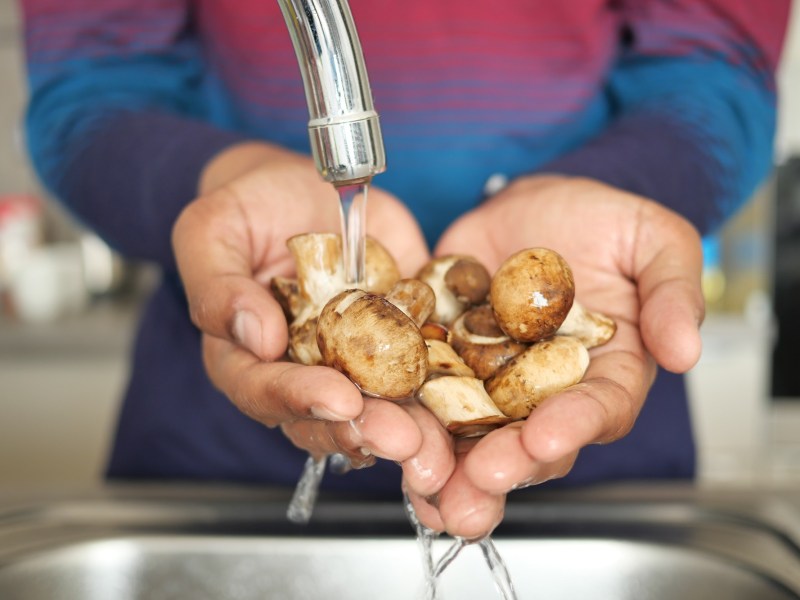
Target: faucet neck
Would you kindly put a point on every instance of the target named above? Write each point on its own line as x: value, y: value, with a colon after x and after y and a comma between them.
x: 343, y: 126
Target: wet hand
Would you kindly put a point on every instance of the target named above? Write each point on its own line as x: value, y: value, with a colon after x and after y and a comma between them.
x: 633, y: 260
x: 229, y: 243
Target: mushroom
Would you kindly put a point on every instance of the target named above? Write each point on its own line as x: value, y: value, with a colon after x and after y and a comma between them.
x: 320, y: 268
x: 531, y: 294
x: 591, y: 328
x: 443, y: 360
x: 320, y: 276
x: 414, y: 297
x: 458, y: 282
x: 478, y: 340
x: 374, y: 343
x: 544, y: 369
x: 303, y: 347
x: 434, y: 331
x: 462, y: 405
x: 287, y: 292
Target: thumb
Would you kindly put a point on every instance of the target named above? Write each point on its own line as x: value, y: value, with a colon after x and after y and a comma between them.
x: 667, y: 267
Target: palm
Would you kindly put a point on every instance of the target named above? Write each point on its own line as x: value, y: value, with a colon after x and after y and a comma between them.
x: 307, y: 204
x: 229, y: 243
x: 632, y: 260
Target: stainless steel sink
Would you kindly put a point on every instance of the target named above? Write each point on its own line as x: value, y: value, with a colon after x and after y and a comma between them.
x: 620, y: 543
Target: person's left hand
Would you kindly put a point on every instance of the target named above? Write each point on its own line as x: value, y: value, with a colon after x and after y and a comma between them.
x: 632, y: 259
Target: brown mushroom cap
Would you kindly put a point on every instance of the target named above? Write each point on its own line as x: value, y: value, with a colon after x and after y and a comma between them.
x: 458, y: 281
x: 481, y: 343
x: 374, y: 343
x: 531, y: 294
x: 544, y: 369
x: 434, y: 331
x: 469, y: 280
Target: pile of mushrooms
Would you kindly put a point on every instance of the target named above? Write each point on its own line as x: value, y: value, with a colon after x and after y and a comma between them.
x: 477, y: 350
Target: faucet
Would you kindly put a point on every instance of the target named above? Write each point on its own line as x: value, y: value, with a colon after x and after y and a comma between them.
x: 343, y: 126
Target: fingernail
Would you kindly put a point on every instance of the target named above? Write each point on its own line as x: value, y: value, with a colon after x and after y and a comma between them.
x: 247, y: 331
x: 323, y: 412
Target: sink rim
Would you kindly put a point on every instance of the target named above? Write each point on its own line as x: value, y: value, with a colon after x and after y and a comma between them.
x: 724, y: 523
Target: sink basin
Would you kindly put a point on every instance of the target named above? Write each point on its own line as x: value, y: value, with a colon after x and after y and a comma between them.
x: 159, y: 544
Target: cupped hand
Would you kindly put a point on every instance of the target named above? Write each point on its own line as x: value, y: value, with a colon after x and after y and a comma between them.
x: 632, y: 259
x: 228, y: 244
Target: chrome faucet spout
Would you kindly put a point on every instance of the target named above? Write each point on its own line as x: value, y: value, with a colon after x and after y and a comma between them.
x: 343, y: 126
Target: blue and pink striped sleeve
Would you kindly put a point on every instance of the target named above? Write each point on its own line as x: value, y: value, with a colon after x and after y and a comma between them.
x: 694, y: 99
x: 112, y: 82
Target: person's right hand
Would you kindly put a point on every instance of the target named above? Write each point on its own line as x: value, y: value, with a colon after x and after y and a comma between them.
x: 228, y: 244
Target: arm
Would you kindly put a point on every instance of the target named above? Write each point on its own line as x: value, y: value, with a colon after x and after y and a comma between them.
x: 690, y: 138
x: 114, y: 121
x: 694, y: 95
x: 116, y: 131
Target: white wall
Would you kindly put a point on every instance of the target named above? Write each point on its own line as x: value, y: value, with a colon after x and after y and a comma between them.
x: 789, y: 86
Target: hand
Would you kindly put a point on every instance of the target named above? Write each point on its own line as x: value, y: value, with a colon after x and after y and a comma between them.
x: 632, y: 259
x: 228, y: 244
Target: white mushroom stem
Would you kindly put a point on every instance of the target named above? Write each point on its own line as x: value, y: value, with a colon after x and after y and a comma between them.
x: 320, y: 268
x: 462, y: 405
x: 303, y: 348
x: 443, y: 360
x: 543, y: 370
x: 321, y: 276
x: 591, y: 328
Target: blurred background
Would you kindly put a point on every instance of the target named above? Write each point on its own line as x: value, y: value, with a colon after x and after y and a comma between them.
x: 68, y: 308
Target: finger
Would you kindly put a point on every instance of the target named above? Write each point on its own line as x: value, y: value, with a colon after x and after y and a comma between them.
x: 466, y: 510
x: 276, y: 392
x: 213, y: 250
x: 383, y: 429
x: 387, y: 430
x: 668, y: 268
x: 318, y: 439
x: 426, y: 472
x: 426, y: 510
x: 500, y: 463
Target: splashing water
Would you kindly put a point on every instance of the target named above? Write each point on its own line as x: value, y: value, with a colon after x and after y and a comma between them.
x: 433, y: 571
x: 425, y: 538
x: 353, y: 203
x: 352, y: 217
x: 502, y: 580
x: 305, y: 494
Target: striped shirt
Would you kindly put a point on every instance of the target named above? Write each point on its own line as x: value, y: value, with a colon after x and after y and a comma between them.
x: 674, y: 100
